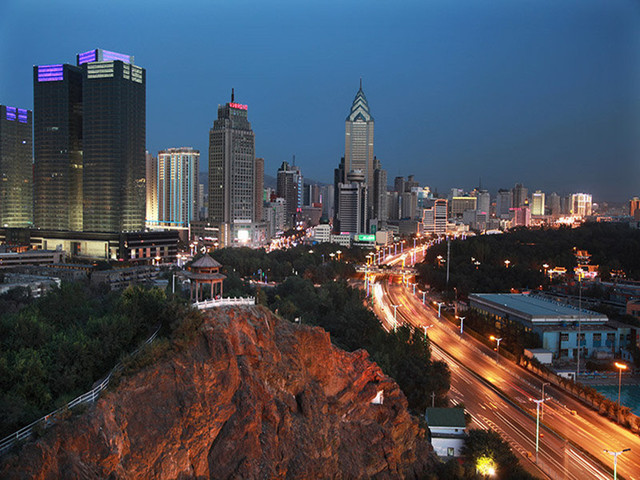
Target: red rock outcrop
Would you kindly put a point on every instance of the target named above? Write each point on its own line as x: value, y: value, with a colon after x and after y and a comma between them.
x: 252, y: 397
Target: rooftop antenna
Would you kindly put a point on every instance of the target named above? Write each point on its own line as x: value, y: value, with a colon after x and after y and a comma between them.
x: 294, y: 159
x: 360, y: 83
x: 232, y: 96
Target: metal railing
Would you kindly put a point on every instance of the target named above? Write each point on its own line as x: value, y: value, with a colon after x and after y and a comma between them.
x: 89, y: 397
x: 222, y: 302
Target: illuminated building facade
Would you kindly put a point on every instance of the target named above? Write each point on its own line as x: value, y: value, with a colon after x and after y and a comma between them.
x: 434, y: 219
x: 259, y: 190
x: 57, y: 139
x: 16, y: 171
x: 231, y: 166
x: 89, y: 136
x: 537, y: 203
x: 152, y: 189
x: 177, y: 186
x: 634, y: 206
x: 580, y: 204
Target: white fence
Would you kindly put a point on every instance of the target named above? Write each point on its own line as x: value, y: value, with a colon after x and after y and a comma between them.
x: 223, y: 302
x: 91, y: 396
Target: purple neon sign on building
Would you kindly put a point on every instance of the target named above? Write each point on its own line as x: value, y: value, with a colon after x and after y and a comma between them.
x: 86, y: 57
x: 11, y: 114
x: 50, y: 73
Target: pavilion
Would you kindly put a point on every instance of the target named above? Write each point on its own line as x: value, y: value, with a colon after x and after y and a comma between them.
x: 204, y: 271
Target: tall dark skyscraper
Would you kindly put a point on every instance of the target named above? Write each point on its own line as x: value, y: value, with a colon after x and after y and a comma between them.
x: 289, y: 187
x: 89, y: 135
x: 16, y: 171
x: 231, y: 166
x: 114, y: 139
x: 57, y: 138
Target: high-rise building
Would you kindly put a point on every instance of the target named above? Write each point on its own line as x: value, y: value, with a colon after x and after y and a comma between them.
x: 232, y: 166
x: 16, y: 170
x: 352, y: 206
x: 379, y: 192
x: 259, y: 190
x: 458, y: 205
x: 554, y: 204
x: 504, y: 202
x: 537, y: 203
x: 152, y: 189
x: 178, y: 179
x: 290, y: 187
x: 634, y: 206
x: 89, y: 136
x: 521, y: 216
x: 484, y: 202
x: 434, y: 219
x: 520, y: 195
x: 358, y: 144
x: 581, y: 204
x: 58, y: 150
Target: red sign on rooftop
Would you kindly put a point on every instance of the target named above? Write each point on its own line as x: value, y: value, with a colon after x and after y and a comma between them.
x: 239, y: 106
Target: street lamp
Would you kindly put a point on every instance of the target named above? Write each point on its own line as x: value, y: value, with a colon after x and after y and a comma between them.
x: 506, y: 263
x: 424, y: 294
x: 498, y: 340
x: 542, y: 410
x: 339, y: 252
x: 620, y: 366
x: 414, y: 287
x: 439, y: 307
x: 426, y: 327
x: 615, y: 460
x: 538, y: 403
x: 395, y: 317
x: 461, y: 324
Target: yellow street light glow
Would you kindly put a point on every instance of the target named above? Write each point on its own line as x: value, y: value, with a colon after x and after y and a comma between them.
x: 621, y: 366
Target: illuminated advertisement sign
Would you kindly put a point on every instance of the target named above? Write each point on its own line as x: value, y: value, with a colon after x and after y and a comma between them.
x: 366, y: 238
x: 239, y: 106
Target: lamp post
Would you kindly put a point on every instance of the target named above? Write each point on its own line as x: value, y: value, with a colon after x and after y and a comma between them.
x: 395, y: 317
x: 620, y: 366
x: 439, y: 307
x: 414, y: 287
x: 506, y: 263
x: 339, y: 252
x: 538, y: 403
x: 424, y: 294
x: 498, y: 340
x: 615, y: 460
x: 461, y: 324
x: 542, y: 409
x: 426, y: 327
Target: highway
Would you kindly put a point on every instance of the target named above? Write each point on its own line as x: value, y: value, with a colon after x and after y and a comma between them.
x: 498, y: 395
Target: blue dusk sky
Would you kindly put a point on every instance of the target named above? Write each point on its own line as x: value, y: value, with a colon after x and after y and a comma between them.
x: 542, y: 92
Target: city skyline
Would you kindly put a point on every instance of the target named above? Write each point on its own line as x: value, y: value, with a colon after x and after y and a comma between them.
x: 543, y: 94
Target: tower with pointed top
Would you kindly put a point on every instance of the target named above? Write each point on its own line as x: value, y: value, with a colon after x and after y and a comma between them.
x: 358, y: 140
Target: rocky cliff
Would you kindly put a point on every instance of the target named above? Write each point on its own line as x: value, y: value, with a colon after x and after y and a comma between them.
x: 253, y: 396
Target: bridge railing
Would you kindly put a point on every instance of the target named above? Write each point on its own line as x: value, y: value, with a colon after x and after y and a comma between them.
x: 89, y: 397
x: 223, y: 302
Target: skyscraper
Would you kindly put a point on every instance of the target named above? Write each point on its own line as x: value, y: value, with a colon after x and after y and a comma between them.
x: 259, y: 190
x: 16, y: 171
x: 352, y: 206
x: 114, y: 139
x: 57, y: 138
x: 520, y: 195
x: 358, y: 144
x: 89, y: 135
x: 231, y: 166
x: 581, y: 204
x: 379, y: 192
x: 152, y: 189
x: 289, y: 186
x: 178, y: 173
x: 537, y: 203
